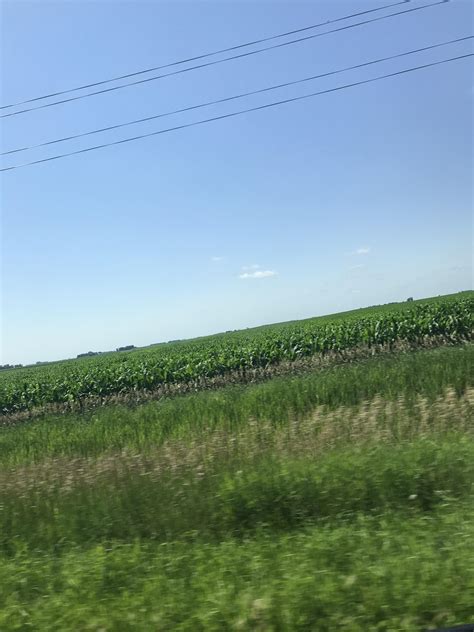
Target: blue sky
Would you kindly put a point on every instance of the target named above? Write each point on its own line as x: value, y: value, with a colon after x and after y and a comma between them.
x: 354, y: 198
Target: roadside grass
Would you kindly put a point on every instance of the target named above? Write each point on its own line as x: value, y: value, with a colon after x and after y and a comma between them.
x: 339, y: 499
x: 385, y: 573
x: 131, y: 497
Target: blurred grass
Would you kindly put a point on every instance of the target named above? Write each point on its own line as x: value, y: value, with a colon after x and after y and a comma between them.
x: 386, y: 574
x: 340, y: 499
x: 127, y: 498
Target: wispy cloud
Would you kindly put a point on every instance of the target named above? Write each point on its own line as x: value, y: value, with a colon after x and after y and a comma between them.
x: 258, y: 274
x: 358, y: 266
x: 254, y: 266
x: 364, y: 250
x: 216, y: 259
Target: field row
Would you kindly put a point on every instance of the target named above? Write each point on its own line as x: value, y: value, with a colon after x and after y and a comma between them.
x: 66, y: 383
x: 417, y: 379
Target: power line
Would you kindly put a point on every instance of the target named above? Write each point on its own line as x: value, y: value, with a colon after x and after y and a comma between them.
x: 202, y: 56
x: 238, y: 113
x: 220, y: 61
x: 237, y: 96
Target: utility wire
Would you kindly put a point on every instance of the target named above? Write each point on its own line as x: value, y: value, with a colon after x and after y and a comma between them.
x: 238, y: 113
x: 236, y: 96
x: 202, y: 56
x: 220, y: 61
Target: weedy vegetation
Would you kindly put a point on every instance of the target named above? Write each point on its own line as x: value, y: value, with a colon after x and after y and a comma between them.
x: 336, y: 496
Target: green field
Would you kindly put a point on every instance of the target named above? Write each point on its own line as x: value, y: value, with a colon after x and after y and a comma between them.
x: 100, y: 377
x: 336, y: 497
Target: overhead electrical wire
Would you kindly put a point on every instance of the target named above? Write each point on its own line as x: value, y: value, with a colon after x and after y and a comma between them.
x: 237, y: 96
x: 202, y: 56
x: 220, y: 61
x: 239, y: 112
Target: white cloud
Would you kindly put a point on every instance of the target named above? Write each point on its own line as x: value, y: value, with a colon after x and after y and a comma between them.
x: 258, y: 274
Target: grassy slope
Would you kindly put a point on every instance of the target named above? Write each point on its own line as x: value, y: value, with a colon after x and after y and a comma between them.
x: 339, y: 498
x: 426, y: 373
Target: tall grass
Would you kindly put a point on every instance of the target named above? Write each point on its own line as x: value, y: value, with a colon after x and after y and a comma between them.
x: 381, y: 574
x: 329, y: 466
x: 341, y: 499
x: 423, y: 373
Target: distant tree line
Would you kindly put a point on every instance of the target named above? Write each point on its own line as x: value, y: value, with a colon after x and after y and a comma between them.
x: 89, y: 354
x: 4, y: 367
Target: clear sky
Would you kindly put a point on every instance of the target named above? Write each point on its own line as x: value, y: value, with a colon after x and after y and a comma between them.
x: 354, y: 198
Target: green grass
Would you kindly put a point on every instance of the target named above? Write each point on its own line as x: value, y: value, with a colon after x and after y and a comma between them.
x: 425, y: 373
x: 386, y: 573
x: 341, y: 498
x: 230, y: 494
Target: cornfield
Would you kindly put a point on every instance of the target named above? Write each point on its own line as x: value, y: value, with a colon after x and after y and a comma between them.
x: 182, y: 362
